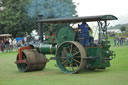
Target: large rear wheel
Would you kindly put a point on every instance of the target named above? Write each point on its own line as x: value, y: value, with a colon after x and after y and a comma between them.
x: 71, y: 57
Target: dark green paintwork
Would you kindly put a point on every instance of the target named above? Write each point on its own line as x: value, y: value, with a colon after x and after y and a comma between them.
x: 99, y: 53
x: 109, y: 17
x: 64, y: 34
x: 47, y: 48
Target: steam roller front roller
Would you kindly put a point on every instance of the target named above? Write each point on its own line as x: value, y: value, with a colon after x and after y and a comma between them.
x: 71, y: 57
x: 30, y: 60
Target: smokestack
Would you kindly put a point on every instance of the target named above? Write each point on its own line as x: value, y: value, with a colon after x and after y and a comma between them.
x: 40, y: 29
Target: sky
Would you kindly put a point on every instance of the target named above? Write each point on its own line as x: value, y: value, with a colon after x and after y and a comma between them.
x: 117, y: 8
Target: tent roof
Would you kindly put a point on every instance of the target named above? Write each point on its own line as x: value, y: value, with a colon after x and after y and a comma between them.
x: 5, y: 35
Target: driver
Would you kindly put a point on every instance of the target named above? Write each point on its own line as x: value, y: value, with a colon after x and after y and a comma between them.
x: 84, y: 35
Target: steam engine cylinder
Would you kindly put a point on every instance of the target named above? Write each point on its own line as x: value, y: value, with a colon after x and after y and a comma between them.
x: 47, y: 48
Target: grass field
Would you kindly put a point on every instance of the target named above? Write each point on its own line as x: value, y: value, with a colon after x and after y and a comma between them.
x: 117, y: 74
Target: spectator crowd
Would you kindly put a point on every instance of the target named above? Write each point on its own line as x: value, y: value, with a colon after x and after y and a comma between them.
x: 7, y: 45
x: 120, y: 40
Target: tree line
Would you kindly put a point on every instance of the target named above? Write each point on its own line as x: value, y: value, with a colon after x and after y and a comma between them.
x: 122, y: 27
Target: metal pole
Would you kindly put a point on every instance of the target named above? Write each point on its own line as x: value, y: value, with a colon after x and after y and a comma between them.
x: 40, y: 29
x: 106, y: 29
x: 99, y: 40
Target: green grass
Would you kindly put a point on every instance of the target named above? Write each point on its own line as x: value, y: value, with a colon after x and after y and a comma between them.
x: 117, y: 74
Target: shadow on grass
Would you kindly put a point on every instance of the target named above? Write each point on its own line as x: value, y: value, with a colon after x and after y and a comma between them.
x: 94, y: 71
x: 57, y: 71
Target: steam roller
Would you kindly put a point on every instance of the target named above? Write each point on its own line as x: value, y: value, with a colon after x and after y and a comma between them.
x: 29, y: 59
x: 71, y: 55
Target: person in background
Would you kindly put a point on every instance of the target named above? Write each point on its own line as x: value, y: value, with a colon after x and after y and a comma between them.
x: 115, y: 40
x: 10, y: 44
x: 127, y: 40
x: 7, y: 45
x: 118, y: 39
x: 14, y: 44
x: 2, y: 46
x: 19, y: 43
x: 121, y: 40
x: 84, y: 35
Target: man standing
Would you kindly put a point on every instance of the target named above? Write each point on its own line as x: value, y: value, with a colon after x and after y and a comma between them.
x: 2, y: 46
x: 84, y: 35
x: 7, y: 45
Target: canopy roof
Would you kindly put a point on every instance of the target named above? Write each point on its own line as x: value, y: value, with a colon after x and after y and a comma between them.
x: 5, y: 35
x: 79, y: 19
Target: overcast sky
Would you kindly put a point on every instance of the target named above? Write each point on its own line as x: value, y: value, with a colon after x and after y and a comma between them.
x: 100, y: 7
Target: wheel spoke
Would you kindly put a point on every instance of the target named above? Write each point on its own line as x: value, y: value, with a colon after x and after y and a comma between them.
x: 76, y: 65
x: 72, y: 67
x: 75, y: 49
x: 63, y: 54
x: 66, y: 64
x: 71, y: 49
x: 62, y: 57
x: 64, y: 61
x: 78, y: 56
x: 76, y: 61
x: 76, y: 53
x: 65, y: 50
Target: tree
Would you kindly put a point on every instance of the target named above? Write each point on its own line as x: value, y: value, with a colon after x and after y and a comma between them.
x: 14, y: 19
x: 123, y: 29
x: 19, y: 17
